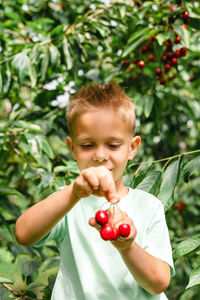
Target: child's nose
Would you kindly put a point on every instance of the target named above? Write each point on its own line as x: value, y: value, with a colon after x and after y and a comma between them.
x: 100, y: 155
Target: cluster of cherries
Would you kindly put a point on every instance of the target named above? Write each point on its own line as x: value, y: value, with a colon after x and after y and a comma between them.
x: 109, y: 232
x: 169, y: 59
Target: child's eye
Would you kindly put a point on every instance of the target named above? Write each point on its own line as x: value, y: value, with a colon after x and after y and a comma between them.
x: 114, y: 146
x: 86, y: 146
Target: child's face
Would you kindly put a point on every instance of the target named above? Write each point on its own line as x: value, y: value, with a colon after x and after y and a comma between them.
x: 102, y: 137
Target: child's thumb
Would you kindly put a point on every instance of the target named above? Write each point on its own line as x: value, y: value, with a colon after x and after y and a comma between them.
x: 113, y: 197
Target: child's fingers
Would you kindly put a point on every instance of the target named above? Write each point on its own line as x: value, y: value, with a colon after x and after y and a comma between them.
x: 90, y: 176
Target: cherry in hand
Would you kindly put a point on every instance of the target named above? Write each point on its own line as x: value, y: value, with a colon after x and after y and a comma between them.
x: 109, y: 232
x: 101, y: 217
x: 124, y: 230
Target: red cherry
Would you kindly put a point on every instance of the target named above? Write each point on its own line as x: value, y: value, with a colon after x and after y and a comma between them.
x: 177, y: 39
x: 178, y: 53
x: 185, y: 15
x: 169, y: 44
x: 164, y: 58
x: 107, y: 232
x: 141, y: 63
x: 151, y: 57
x: 174, y: 61
x: 163, y: 81
x: 124, y: 230
x: 183, y: 51
x: 167, y: 67
x: 152, y: 38
x: 115, y: 233
x: 158, y: 71
x: 170, y: 55
x: 172, y: 8
x: 145, y: 49
x: 101, y: 217
x: 184, y: 26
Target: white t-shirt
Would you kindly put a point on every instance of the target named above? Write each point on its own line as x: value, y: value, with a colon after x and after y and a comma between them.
x: 91, y: 268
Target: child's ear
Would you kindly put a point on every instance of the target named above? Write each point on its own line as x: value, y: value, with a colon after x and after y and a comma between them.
x: 70, y: 146
x: 135, y: 143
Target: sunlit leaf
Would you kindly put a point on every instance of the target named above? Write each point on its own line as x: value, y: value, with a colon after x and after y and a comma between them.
x: 194, y: 277
x: 44, y: 63
x: 5, y: 280
x: 190, y: 168
x: 21, y: 64
x: 187, y: 246
x: 168, y: 184
x: 184, y: 34
x: 148, y: 105
x: 150, y: 182
x: 51, y: 263
x: 27, y: 264
x: 54, y: 55
x: 5, y: 190
x: 67, y: 54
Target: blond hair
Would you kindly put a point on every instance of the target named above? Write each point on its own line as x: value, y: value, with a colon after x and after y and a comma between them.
x: 108, y: 95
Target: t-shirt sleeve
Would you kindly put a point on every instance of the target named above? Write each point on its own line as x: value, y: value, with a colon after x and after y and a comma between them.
x: 156, y: 240
x: 57, y: 233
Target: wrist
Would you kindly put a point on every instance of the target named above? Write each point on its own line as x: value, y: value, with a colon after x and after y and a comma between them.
x: 74, y: 195
x: 128, y: 248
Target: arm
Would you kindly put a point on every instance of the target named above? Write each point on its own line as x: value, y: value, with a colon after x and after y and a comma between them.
x: 37, y: 221
x: 150, y: 272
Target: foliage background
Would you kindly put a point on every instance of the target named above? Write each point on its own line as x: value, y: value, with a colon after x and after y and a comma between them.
x: 48, y: 50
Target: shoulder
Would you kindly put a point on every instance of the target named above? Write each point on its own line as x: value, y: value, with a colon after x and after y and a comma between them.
x: 143, y: 206
x: 145, y: 198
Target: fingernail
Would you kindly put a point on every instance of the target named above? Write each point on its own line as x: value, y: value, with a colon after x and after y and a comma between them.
x: 114, y: 201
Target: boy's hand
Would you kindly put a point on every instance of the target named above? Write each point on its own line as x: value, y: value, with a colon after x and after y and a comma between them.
x: 97, y: 181
x: 116, y: 218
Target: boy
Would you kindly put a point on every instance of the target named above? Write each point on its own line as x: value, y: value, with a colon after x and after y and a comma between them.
x: 101, y: 124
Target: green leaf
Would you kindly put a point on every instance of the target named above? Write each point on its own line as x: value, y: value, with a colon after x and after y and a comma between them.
x: 69, y: 168
x: 150, y: 182
x: 5, y: 280
x: 20, y: 64
x: 67, y: 55
x: 194, y: 277
x: 168, y: 184
x: 137, y: 34
x: 195, y: 23
x: 6, y: 75
x: 162, y: 37
x: 27, y: 125
x: 190, y: 168
x: 184, y: 34
x: 193, y: 12
x: 187, y: 246
x: 44, y: 63
x: 4, y: 190
x: 57, y: 30
x: 1, y: 83
x: 33, y: 172
x: 51, y: 263
x: 4, y: 293
x: 137, y: 39
x: 33, y: 74
x: 148, y: 105
x: 27, y: 264
x: 47, y: 149
x: 129, y: 179
x: 47, y: 179
x: 54, y: 55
